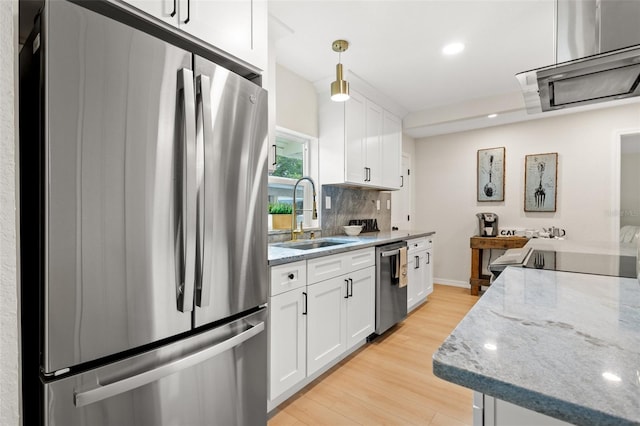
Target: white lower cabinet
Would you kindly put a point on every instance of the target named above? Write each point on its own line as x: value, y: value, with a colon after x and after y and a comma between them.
x: 490, y: 411
x: 361, y: 318
x: 288, y: 341
x: 420, y: 271
x: 326, y: 334
x: 428, y: 286
x: 317, y: 315
x: 341, y: 315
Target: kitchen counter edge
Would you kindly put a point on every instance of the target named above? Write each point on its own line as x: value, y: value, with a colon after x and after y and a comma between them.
x: 282, y: 255
x: 462, y: 360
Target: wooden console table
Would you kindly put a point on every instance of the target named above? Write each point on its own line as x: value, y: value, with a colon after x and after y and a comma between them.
x: 477, y: 245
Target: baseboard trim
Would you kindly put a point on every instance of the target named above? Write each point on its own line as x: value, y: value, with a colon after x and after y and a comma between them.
x: 452, y: 283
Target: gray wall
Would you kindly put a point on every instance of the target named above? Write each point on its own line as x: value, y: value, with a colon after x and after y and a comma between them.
x: 445, y: 179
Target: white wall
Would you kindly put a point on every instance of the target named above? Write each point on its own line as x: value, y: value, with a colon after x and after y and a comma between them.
x: 9, y: 388
x: 296, y: 103
x: 445, y: 180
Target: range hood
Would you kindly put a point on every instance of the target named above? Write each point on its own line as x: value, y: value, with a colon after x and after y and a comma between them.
x: 597, y: 56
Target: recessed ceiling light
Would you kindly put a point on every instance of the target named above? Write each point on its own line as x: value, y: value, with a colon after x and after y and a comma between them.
x: 492, y: 115
x: 453, y: 48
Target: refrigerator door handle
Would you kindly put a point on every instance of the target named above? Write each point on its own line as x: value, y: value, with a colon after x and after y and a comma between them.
x: 203, y: 84
x: 81, y: 399
x: 189, y: 188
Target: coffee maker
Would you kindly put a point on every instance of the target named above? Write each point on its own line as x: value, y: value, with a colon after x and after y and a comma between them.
x: 487, y: 224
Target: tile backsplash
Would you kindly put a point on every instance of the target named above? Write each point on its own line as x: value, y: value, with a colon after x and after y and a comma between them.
x: 353, y: 203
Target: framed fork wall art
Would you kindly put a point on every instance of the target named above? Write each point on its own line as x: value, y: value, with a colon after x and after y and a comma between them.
x: 540, y: 182
x: 491, y: 174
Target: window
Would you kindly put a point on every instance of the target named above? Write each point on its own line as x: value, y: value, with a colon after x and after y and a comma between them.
x: 293, y: 153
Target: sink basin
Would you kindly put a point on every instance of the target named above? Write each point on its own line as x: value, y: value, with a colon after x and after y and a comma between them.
x: 310, y: 244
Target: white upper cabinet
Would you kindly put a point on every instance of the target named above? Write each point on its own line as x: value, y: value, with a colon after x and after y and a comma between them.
x: 354, y: 142
x: 360, y: 143
x: 238, y: 27
x: 373, y: 145
x: 391, y: 150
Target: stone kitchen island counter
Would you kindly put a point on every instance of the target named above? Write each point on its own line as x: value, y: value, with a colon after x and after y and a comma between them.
x: 566, y: 345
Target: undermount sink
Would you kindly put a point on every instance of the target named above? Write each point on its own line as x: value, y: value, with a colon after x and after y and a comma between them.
x: 310, y: 244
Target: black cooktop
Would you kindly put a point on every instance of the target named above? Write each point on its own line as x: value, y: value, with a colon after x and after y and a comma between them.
x: 586, y: 263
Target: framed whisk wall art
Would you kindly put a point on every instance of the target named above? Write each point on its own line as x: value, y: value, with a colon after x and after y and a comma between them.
x: 491, y: 174
x: 540, y: 182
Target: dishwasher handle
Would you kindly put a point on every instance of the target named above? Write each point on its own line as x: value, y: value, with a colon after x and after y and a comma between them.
x: 390, y: 253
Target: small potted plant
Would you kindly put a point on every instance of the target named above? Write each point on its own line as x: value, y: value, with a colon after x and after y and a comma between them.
x: 281, y: 215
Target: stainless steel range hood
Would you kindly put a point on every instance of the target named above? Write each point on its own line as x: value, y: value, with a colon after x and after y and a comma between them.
x: 597, y: 56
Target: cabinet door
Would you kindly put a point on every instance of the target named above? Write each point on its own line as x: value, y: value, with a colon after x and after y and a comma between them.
x: 326, y: 322
x: 391, y: 150
x: 287, y: 341
x: 412, y: 278
x: 428, y: 281
x: 236, y: 26
x: 421, y: 272
x: 501, y: 413
x: 361, y: 308
x: 373, y: 144
x: 166, y: 10
x: 355, y: 132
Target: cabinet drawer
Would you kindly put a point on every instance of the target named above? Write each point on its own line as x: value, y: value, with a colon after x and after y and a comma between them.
x: 288, y: 277
x: 417, y: 244
x: 327, y: 267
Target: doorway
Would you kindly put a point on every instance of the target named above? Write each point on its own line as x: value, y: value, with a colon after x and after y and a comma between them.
x: 402, y: 200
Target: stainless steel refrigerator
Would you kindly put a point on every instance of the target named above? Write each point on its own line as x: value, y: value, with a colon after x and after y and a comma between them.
x: 142, y: 226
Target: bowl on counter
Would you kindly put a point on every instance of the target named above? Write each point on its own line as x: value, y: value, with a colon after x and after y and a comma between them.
x: 353, y: 230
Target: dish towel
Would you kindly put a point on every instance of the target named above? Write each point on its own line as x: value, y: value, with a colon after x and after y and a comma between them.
x: 403, y: 268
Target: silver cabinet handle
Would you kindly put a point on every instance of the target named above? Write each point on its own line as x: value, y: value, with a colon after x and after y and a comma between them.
x: 205, y: 125
x: 102, y: 392
x: 401, y: 181
x: 173, y: 12
x: 417, y: 262
x: 346, y: 281
x: 304, y: 309
x: 189, y: 190
x: 428, y: 258
x: 275, y: 153
x: 351, y: 285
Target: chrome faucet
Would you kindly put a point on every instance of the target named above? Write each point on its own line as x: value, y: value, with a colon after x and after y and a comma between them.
x: 294, y: 231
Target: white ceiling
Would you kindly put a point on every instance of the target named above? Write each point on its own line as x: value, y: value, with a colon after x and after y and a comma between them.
x: 395, y: 47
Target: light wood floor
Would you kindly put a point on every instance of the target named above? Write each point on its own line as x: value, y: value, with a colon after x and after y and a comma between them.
x: 390, y: 381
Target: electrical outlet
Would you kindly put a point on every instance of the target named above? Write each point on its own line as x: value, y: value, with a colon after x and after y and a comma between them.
x: 388, y: 204
x: 327, y: 202
x: 378, y: 204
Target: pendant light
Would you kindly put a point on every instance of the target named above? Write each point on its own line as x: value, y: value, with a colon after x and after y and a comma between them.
x: 340, y: 87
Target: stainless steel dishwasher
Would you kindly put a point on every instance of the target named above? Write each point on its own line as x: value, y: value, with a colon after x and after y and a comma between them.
x: 391, y: 295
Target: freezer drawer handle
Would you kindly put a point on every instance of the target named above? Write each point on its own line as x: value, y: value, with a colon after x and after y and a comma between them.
x: 189, y: 183
x: 125, y: 385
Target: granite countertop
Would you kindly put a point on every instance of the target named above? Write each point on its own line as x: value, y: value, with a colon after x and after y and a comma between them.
x: 564, y: 344
x: 279, y: 255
